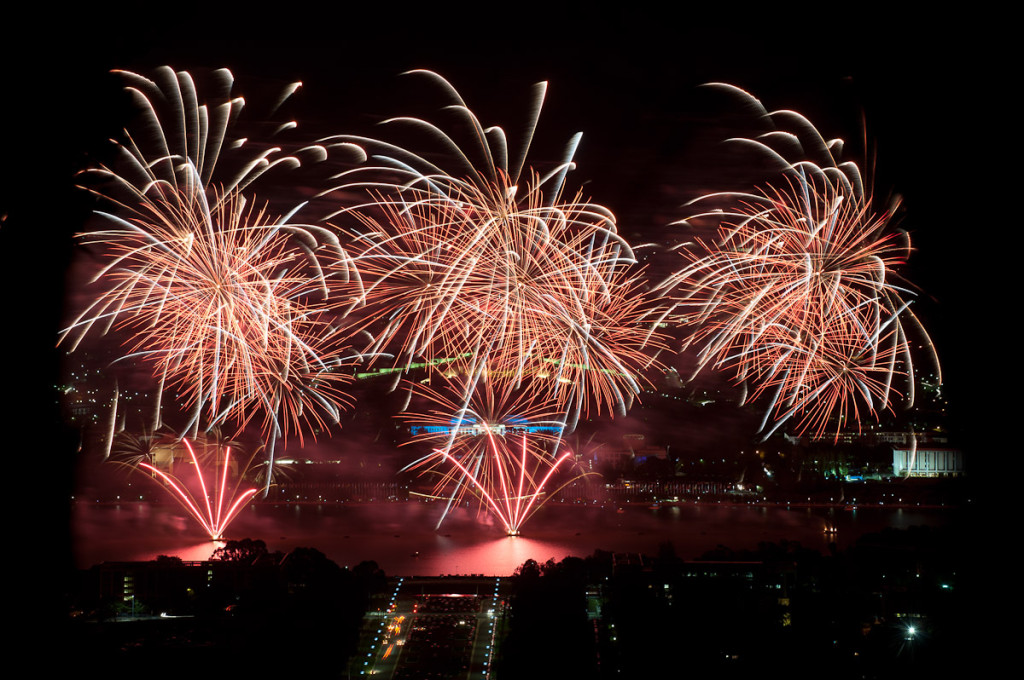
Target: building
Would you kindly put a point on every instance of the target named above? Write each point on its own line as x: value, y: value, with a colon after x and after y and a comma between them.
x: 927, y: 462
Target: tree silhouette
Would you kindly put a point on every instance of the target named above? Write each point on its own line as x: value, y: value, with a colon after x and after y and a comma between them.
x: 245, y: 551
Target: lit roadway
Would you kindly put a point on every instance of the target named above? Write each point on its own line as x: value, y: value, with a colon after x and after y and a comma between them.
x: 388, y: 632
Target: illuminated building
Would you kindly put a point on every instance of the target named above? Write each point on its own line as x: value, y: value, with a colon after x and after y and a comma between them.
x: 932, y: 462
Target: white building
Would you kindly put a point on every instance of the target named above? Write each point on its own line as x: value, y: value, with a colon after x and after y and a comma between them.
x: 927, y: 462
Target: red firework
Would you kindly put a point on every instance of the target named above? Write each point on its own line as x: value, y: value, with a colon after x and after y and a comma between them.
x: 223, y: 301
x: 495, y: 445
x: 799, y: 295
x: 490, y: 263
x: 215, y: 507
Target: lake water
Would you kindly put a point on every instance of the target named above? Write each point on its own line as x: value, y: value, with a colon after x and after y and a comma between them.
x: 402, y: 539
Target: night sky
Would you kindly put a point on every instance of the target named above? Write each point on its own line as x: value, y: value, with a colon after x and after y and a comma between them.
x: 627, y: 79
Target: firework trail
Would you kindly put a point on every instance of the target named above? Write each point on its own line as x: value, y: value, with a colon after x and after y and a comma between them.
x: 489, y: 262
x: 491, y: 442
x: 799, y: 295
x: 223, y: 301
x: 215, y: 507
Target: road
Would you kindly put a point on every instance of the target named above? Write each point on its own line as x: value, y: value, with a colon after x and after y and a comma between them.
x: 445, y: 626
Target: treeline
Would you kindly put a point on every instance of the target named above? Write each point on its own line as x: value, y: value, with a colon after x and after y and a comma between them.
x: 248, y: 611
x: 896, y: 604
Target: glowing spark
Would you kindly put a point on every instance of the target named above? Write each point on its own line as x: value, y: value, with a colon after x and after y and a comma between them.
x: 225, y: 303
x: 490, y: 262
x: 497, y: 446
x: 209, y: 511
x: 799, y: 293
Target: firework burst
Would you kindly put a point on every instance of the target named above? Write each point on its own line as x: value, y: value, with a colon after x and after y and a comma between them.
x: 213, y: 507
x: 489, y: 262
x: 799, y: 294
x: 222, y: 300
x: 492, y: 443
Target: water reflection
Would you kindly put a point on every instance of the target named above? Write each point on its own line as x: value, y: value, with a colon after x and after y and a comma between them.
x: 401, y: 537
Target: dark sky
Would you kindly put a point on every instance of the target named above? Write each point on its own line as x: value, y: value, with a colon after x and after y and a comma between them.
x: 626, y: 78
